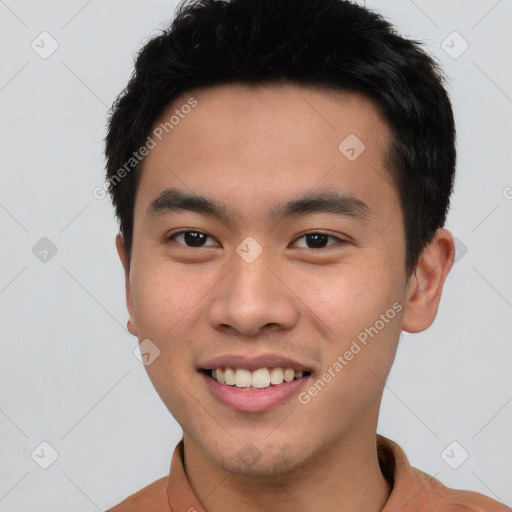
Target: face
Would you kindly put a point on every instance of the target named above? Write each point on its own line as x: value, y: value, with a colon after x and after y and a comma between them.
x: 296, y: 262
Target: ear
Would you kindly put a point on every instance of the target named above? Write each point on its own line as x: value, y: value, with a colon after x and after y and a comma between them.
x: 121, y: 250
x: 425, y: 285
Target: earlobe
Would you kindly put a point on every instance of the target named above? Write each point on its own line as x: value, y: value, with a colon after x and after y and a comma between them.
x: 121, y: 251
x: 131, y: 328
x: 425, y: 285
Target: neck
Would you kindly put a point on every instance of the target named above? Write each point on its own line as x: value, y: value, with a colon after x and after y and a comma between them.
x: 344, y: 476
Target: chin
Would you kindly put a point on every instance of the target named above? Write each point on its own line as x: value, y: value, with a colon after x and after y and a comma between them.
x: 253, y: 461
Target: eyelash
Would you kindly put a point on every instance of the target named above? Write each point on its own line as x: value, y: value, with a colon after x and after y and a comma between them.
x: 174, y: 235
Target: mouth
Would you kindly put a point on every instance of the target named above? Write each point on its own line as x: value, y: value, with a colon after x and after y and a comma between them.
x: 254, y: 384
x: 258, y: 379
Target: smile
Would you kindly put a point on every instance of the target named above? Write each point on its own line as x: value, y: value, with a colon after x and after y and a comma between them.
x: 260, y: 378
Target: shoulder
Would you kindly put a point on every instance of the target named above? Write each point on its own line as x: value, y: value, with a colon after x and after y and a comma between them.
x: 439, y: 498
x: 152, y: 498
x: 416, y: 491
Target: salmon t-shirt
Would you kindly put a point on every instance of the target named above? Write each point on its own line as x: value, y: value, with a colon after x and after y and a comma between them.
x: 412, y: 489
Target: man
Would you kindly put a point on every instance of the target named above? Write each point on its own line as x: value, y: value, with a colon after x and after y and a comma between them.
x: 281, y: 171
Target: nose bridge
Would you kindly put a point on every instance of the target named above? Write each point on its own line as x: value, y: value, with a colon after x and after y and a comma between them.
x: 252, y: 278
x: 252, y: 297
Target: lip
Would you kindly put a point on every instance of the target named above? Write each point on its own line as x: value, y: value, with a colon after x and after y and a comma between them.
x: 253, y: 363
x: 248, y: 400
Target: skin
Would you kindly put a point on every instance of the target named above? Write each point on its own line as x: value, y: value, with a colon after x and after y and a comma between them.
x: 249, y: 148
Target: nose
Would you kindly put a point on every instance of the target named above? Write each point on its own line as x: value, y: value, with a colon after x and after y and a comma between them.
x: 254, y: 297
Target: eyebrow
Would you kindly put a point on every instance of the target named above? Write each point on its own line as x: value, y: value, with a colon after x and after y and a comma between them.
x: 332, y: 202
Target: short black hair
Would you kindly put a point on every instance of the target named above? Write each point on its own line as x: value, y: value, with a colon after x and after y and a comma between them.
x: 333, y: 44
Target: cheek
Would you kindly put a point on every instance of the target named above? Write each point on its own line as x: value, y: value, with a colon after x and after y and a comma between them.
x: 355, y: 369
x: 362, y: 312
x: 345, y: 300
x: 165, y: 302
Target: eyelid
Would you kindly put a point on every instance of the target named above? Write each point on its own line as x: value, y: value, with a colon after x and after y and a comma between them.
x: 319, y: 232
x: 172, y: 236
x: 339, y: 240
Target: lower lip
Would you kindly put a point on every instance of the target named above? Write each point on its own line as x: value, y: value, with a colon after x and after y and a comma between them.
x: 252, y: 400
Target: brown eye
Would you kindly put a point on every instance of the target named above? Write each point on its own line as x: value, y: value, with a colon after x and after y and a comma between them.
x: 318, y: 240
x: 190, y: 238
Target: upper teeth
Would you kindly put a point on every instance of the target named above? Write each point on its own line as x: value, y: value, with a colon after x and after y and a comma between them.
x: 261, y: 378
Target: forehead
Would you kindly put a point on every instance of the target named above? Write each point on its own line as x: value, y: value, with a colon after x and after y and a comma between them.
x: 252, y: 144
x: 266, y: 116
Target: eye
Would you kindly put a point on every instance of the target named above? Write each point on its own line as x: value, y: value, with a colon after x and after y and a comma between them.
x: 317, y: 240
x: 312, y: 240
x: 190, y: 238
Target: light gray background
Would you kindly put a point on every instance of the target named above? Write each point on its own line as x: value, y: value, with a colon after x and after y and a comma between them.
x: 68, y: 375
